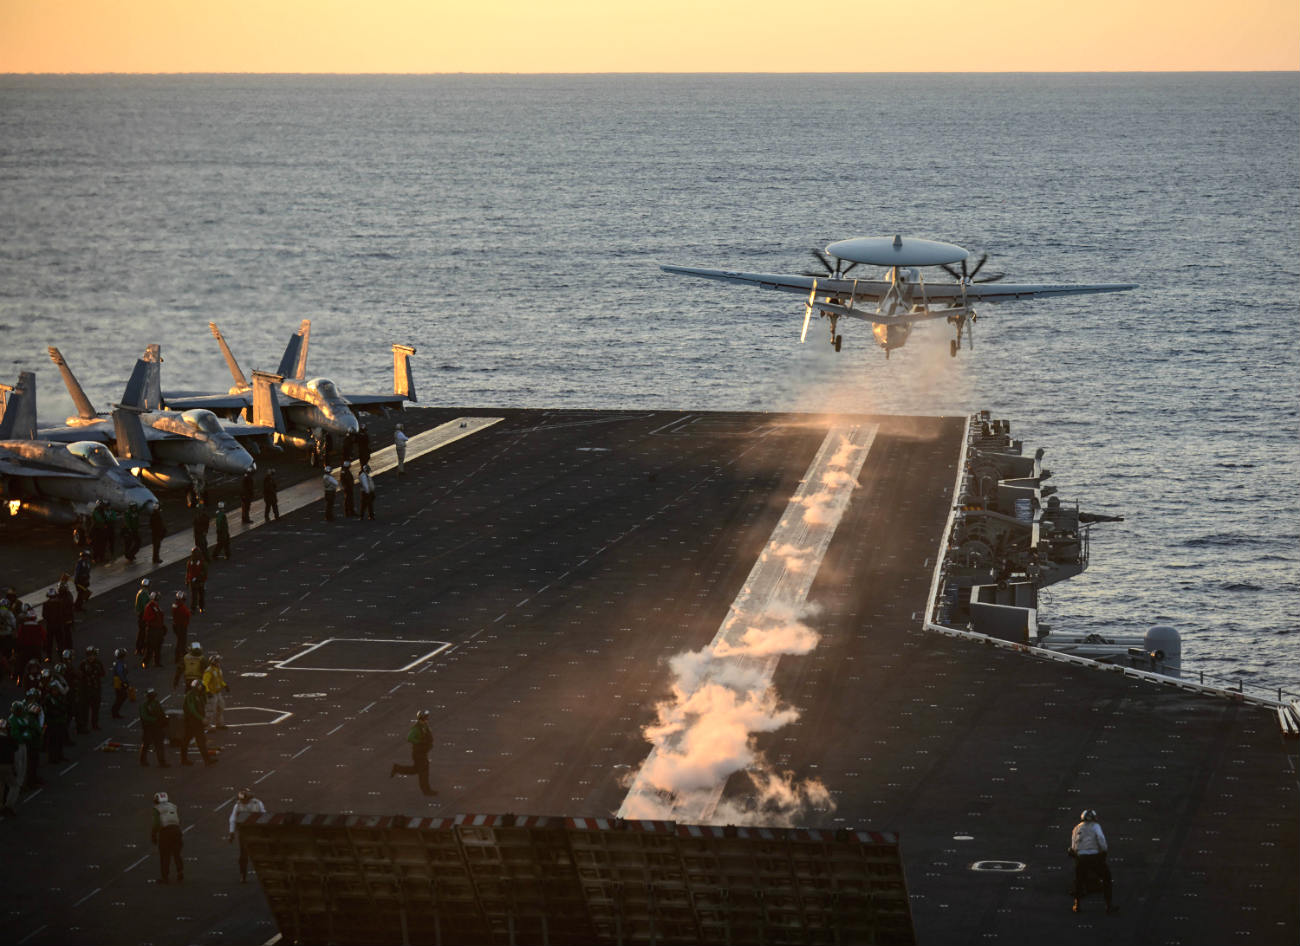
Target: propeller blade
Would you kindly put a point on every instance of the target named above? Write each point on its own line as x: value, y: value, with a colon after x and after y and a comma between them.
x: 993, y: 278
x: 827, y: 267
x: 950, y: 271
x: 850, y: 268
x: 808, y: 311
x: 984, y: 258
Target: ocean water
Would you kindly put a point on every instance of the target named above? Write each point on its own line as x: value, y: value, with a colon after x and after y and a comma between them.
x: 510, y: 227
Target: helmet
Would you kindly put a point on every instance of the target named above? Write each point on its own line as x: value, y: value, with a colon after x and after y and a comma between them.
x: 120, y: 652
x: 195, y: 648
x: 51, y: 592
x: 34, y: 709
x: 144, y: 582
x: 221, y: 505
x: 159, y: 798
x: 153, y: 596
x: 151, y: 692
x: 214, y: 659
x: 180, y: 596
x: 58, y: 668
x: 92, y: 650
x: 67, y: 655
x: 245, y: 794
x: 397, y: 427
x: 33, y: 693
x: 1088, y: 814
x: 17, y: 706
x: 45, y: 673
x: 423, y: 714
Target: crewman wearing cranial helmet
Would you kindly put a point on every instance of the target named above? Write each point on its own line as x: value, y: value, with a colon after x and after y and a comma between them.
x: 245, y: 804
x: 141, y: 602
x: 167, y: 835
x: 421, y: 739
x: 155, y: 630
x: 214, y: 684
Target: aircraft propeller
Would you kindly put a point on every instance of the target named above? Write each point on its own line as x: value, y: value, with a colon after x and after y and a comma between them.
x: 828, y: 268
x: 967, y: 277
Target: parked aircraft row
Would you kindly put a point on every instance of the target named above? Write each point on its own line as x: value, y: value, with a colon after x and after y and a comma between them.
x: 169, y: 442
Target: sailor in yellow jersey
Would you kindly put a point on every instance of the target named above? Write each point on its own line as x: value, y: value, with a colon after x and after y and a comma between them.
x: 214, y: 683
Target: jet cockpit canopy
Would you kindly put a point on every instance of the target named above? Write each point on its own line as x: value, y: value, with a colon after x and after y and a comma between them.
x: 95, y: 454
x: 202, y: 420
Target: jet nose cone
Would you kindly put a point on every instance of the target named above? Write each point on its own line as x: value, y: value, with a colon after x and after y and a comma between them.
x: 348, y: 423
x: 235, y: 459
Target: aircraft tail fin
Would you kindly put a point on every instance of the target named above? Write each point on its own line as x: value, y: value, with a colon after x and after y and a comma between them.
x: 85, y: 409
x: 19, y: 421
x: 403, y: 381
x: 153, y: 399
x: 133, y: 395
x: 131, y: 442
x: 266, y: 405
x: 293, y: 364
x: 305, y: 331
x: 230, y: 359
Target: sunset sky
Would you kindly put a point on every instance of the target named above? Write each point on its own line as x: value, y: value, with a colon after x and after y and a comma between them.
x: 429, y: 36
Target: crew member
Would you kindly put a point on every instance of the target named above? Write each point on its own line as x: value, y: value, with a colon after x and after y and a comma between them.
x: 216, y: 688
x: 348, y: 484
x: 194, y: 710
x: 157, y: 531
x: 1088, y: 848
x: 270, y: 500
x: 201, y: 522
x: 167, y: 835
x: 181, y: 628
x: 421, y: 740
x: 246, y: 491
x: 81, y: 578
x: 121, y: 685
x: 92, y: 677
x: 155, y: 630
x: 191, y: 666
x: 399, y: 447
x: 141, y: 602
x: 331, y: 486
x: 13, y: 770
x: 196, y: 576
x: 223, y: 532
x: 246, y: 804
x: 366, y: 483
x: 153, y: 728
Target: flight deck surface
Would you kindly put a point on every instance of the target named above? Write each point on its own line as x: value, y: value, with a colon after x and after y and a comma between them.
x: 527, y: 585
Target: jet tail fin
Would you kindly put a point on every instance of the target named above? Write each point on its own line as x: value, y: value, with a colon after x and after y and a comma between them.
x: 85, y: 409
x: 19, y: 421
x: 266, y: 405
x: 230, y: 359
x: 153, y: 399
x: 403, y: 381
x: 129, y: 430
x: 293, y: 364
x: 133, y: 395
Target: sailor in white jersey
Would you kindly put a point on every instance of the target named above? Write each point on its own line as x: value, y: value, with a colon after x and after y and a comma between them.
x: 244, y: 804
x: 1088, y: 848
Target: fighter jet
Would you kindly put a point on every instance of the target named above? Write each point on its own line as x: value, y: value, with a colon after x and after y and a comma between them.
x: 301, y: 409
x: 54, y: 480
x: 177, y: 446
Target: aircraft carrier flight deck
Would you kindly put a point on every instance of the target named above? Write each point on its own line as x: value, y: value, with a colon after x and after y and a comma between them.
x: 529, y: 582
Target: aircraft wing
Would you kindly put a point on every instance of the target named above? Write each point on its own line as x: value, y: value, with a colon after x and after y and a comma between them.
x: 212, y: 402
x: 1012, y: 292
x: 374, y: 402
x: 17, y: 466
x: 866, y: 290
x: 239, y: 431
x: 100, y: 433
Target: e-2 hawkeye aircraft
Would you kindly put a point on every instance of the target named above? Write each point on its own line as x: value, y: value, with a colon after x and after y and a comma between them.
x: 54, y: 480
x: 895, y: 304
x: 298, y: 408
x: 177, y: 446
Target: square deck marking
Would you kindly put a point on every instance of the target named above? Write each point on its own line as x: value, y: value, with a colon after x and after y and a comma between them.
x: 359, y: 655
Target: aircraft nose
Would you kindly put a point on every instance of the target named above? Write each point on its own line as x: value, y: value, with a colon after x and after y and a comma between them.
x: 235, y: 459
x: 348, y: 423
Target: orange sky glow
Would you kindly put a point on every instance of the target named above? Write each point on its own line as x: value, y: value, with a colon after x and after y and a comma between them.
x: 537, y: 36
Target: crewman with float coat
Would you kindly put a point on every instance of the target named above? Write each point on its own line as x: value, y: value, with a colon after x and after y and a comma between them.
x: 246, y: 804
x: 167, y: 835
x: 214, y: 684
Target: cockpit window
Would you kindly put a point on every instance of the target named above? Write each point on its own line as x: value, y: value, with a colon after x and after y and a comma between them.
x: 325, y: 387
x: 202, y: 420
x: 96, y: 454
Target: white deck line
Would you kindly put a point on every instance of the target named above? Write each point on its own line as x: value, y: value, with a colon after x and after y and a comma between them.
x: 176, y: 547
x: 771, y: 586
